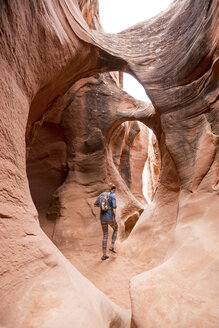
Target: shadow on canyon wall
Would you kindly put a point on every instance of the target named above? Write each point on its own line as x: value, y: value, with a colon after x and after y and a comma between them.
x: 64, y: 113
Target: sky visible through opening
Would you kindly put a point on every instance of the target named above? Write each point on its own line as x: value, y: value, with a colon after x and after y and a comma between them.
x: 118, y: 15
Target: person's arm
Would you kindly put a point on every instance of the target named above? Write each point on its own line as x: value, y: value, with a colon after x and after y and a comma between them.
x: 114, y: 204
x: 97, y: 202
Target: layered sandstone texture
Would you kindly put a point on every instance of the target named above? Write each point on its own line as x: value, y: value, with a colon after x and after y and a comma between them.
x: 72, y: 125
x: 45, y: 48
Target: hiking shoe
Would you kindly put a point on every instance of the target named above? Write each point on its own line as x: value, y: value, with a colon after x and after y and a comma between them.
x: 112, y: 250
x: 104, y: 257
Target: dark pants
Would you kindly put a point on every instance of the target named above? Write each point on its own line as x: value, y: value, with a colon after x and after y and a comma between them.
x: 113, y: 224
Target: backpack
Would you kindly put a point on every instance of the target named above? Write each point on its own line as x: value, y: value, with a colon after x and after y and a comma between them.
x: 104, y: 201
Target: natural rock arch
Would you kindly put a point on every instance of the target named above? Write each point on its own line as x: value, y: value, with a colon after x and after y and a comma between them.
x: 177, y: 63
x: 86, y: 155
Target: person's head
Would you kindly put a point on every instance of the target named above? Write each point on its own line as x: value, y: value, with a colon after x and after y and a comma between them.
x: 112, y: 187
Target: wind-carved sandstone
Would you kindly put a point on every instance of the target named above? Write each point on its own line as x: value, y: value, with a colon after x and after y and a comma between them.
x: 174, y: 56
x: 86, y: 148
x: 87, y: 116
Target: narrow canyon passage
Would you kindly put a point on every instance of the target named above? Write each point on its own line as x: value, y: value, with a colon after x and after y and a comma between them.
x: 50, y: 173
x: 111, y: 276
x: 60, y: 88
x: 46, y: 166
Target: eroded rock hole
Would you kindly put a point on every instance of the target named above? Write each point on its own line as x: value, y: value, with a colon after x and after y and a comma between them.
x: 73, y: 144
x: 70, y: 161
x: 136, y: 155
x: 177, y: 236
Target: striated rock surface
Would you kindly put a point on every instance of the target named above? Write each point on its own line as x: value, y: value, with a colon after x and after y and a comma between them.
x: 178, y: 64
x: 45, y: 48
x: 90, y: 160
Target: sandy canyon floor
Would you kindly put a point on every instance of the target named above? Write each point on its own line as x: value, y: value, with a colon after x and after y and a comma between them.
x: 111, y: 276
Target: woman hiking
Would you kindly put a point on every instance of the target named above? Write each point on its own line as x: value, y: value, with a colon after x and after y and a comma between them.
x: 107, y: 203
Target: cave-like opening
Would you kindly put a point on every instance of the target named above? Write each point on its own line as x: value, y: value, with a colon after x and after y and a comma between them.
x: 62, y: 140
x: 46, y: 169
x: 72, y: 143
x: 150, y: 175
x: 136, y: 155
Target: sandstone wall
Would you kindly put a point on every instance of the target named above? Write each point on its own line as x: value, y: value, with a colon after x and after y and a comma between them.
x: 130, y: 152
x: 46, y: 47
x: 90, y: 161
x: 178, y: 63
x: 87, y: 116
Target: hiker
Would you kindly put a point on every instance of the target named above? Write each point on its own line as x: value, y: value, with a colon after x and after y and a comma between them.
x: 107, y: 203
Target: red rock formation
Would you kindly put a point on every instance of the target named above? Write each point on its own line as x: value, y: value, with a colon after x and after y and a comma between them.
x: 151, y: 171
x: 45, y: 47
x: 90, y: 161
x: 177, y: 64
x: 130, y: 151
x: 46, y: 169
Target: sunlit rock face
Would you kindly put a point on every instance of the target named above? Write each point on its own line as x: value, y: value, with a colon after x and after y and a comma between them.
x: 47, y: 47
x: 129, y: 144
x: 151, y: 170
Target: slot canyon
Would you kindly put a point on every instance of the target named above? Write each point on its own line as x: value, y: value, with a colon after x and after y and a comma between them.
x: 68, y: 129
